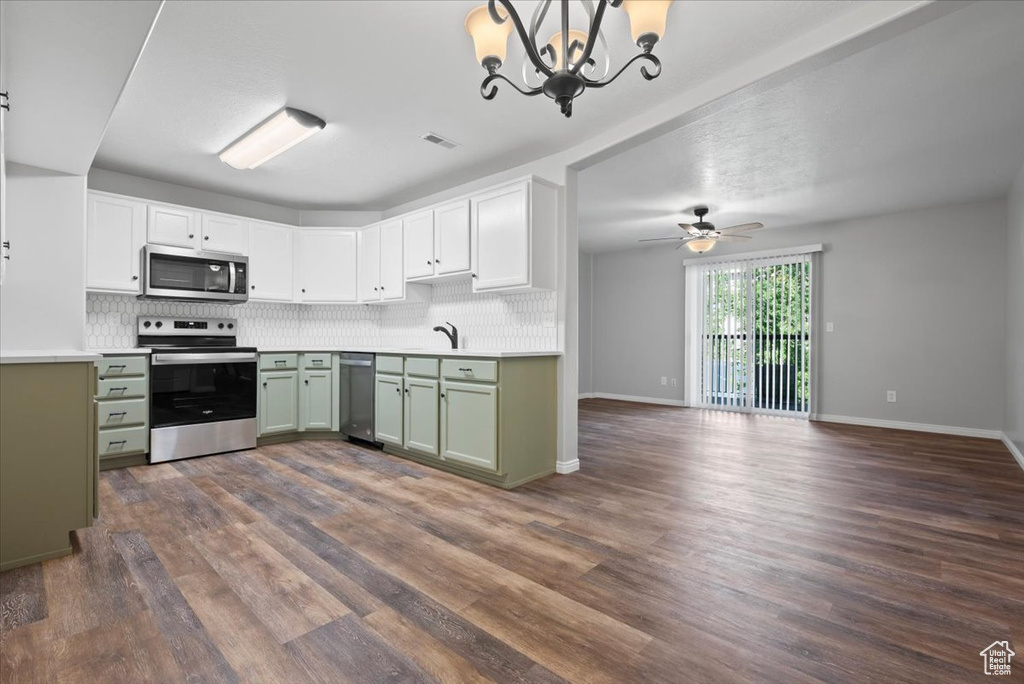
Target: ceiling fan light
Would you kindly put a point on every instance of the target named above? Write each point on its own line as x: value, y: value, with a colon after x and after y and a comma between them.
x: 556, y: 42
x: 647, y: 20
x: 700, y: 245
x: 281, y: 131
x: 489, y: 38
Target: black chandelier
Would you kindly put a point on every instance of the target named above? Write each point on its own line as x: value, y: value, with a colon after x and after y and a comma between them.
x: 566, y: 62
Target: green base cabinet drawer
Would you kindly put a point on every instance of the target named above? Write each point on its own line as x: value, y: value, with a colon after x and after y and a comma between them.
x: 121, y: 412
x: 279, y: 361
x: 120, y: 441
x: 315, y: 361
x: 390, y: 364
x: 116, y: 366
x: 469, y: 369
x: 423, y: 367
x: 121, y: 388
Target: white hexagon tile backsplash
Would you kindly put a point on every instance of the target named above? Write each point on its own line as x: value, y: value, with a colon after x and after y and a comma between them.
x: 521, y: 321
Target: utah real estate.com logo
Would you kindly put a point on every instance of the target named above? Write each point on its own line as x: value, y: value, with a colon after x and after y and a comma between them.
x: 997, y: 658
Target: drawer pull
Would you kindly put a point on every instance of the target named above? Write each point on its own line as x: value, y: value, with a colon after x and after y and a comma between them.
x: 119, y: 443
x: 466, y: 370
x: 118, y: 414
x: 116, y: 365
x: 118, y: 389
x: 280, y: 362
x: 318, y: 362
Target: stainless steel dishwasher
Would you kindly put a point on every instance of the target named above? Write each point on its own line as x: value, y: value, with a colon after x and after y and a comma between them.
x: 357, y: 381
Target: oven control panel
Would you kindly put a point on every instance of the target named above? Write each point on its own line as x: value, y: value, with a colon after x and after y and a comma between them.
x: 167, y: 325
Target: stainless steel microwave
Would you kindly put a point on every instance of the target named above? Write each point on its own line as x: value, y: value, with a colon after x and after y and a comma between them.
x: 177, y: 273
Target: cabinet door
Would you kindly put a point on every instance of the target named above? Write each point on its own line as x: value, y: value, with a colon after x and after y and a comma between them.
x: 115, y: 235
x: 270, y: 262
x: 392, y: 271
x: 225, y: 234
x: 316, y: 405
x: 469, y: 423
x: 501, y: 239
x: 369, y: 264
x: 279, y: 402
x: 171, y: 226
x: 451, y: 238
x: 421, y: 414
x: 388, y: 409
x: 327, y: 266
x: 419, y: 244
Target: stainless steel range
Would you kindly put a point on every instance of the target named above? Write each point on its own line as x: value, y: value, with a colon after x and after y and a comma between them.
x: 202, y: 387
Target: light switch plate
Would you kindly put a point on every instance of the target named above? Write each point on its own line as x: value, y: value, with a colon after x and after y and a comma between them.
x: 830, y: 327
x: 890, y: 396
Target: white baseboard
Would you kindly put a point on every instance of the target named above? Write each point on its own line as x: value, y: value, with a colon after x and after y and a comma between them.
x: 585, y: 395
x: 1017, y: 455
x: 916, y: 427
x: 638, y: 400
x: 567, y: 467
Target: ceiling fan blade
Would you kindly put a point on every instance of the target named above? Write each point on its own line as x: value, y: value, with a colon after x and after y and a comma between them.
x: 689, y: 229
x: 681, y: 237
x: 741, y: 228
x: 733, y: 238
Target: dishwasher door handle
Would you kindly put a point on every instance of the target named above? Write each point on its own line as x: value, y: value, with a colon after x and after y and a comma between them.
x: 351, y: 362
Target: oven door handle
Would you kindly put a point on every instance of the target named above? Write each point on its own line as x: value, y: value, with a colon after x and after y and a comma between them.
x: 188, y: 359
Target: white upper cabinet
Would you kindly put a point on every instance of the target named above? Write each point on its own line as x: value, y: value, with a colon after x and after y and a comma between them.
x: 419, y: 244
x: 369, y: 264
x: 172, y: 226
x: 326, y: 266
x: 115, y: 236
x: 392, y: 276
x: 451, y: 238
x: 271, y: 250
x: 224, y: 234
x: 513, y: 238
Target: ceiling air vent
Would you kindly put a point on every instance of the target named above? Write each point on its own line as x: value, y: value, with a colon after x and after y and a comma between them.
x: 436, y: 139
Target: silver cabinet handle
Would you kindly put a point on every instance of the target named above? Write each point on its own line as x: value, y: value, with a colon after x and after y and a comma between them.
x: 120, y: 442
x: 279, y: 362
x: 117, y: 413
x: 466, y: 370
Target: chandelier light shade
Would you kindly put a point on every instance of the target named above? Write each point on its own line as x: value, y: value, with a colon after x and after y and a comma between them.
x: 646, y: 19
x: 567, y: 64
x: 489, y: 38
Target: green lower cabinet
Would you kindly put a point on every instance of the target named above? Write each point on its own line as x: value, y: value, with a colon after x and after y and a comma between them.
x: 421, y: 415
x: 279, y: 401
x: 389, y: 409
x: 316, y: 404
x: 469, y: 424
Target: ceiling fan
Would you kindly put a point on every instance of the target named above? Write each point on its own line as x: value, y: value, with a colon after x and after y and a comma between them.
x: 701, y: 236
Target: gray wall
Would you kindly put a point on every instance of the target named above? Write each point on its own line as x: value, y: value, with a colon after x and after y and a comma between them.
x: 638, y: 323
x: 918, y: 300
x: 1014, y: 426
x: 42, y: 300
x: 585, y: 309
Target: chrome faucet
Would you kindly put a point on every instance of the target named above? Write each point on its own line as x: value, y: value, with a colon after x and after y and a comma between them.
x: 453, y: 336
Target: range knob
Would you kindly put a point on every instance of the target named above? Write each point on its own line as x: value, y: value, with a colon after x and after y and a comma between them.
x: 231, y: 326
x: 220, y: 325
x: 159, y: 324
x: 146, y: 324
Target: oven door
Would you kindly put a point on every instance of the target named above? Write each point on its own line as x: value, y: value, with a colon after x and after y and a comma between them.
x: 192, y: 389
x: 175, y: 273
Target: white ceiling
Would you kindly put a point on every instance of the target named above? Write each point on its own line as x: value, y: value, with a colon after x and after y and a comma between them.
x: 933, y: 116
x: 381, y: 74
x: 65, y: 64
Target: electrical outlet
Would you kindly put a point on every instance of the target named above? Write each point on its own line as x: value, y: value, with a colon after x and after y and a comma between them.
x: 830, y: 327
x: 674, y: 383
x: 890, y: 396
x: 664, y: 380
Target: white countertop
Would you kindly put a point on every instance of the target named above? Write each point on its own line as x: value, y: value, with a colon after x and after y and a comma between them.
x: 138, y: 351
x: 47, y: 356
x: 472, y: 353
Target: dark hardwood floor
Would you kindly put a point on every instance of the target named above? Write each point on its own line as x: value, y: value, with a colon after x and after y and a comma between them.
x: 694, y: 546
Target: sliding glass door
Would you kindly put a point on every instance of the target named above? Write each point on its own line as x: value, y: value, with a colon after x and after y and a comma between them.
x: 754, y: 335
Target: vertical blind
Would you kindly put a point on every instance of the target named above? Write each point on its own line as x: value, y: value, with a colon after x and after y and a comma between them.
x: 754, y: 334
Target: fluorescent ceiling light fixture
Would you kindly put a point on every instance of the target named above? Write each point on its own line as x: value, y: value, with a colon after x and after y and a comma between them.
x: 282, y: 131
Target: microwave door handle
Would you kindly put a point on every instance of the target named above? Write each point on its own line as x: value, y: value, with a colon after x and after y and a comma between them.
x: 231, y: 278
